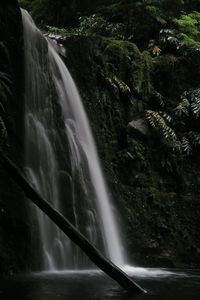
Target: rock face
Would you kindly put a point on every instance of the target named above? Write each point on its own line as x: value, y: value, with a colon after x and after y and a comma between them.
x: 14, y: 226
x: 138, y: 126
x: 156, y: 192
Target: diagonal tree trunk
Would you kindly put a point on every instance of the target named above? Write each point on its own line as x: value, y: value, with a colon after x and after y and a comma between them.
x: 93, y: 253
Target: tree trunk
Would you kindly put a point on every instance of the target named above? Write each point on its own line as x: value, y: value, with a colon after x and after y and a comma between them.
x: 93, y: 253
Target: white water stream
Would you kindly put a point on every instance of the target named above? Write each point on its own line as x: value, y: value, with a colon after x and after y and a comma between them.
x: 61, y: 158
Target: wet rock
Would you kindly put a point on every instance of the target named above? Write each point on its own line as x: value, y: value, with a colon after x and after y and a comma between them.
x: 138, y: 126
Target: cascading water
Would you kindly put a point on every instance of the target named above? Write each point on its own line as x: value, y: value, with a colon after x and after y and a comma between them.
x: 61, y: 158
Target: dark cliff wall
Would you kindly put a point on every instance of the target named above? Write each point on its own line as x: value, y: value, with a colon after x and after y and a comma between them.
x: 14, y: 228
x: 157, y: 192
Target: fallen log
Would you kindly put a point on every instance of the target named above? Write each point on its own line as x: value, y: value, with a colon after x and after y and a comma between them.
x: 78, y: 238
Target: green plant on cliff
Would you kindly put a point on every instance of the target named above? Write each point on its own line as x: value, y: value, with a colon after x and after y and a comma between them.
x: 91, y: 25
x: 186, y: 34
x: 135, y: 152
x: 188, y: 110
x: 55, y: 30
x: 190, y: 141
x: 142, y: 75
x: 182, y: 109
x: 186, y: 113
x: 159, y: 121
x: 190, y: 104
x: 26, y: 4
x: 116, y: 84
x: 97, y: 24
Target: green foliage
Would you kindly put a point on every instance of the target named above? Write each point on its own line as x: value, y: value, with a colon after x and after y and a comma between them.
x: 91, y: 25
x: 186, y: 146
x: 154, y: 12
x: 142, y: 75
x: 117, y: 84
x: 195, y: 105
x: 135, y: 152
x: 26, y: 4
x: 186, y: 34
x: 48, y: 12
x: 158, y: 98
x: 190, y: 104
x: 194, y: 138
x: 189, y: 24
x: 107, y: 17
x: 190, y: 141
x: 174, y: 28
x: 159, y: 121
x: 168, y: 36
x: 187, y: 110
x: 97, y: 24
x: 183, y: 107
x: 58, y: 31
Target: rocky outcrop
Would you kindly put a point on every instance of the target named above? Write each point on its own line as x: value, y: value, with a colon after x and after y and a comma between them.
x: 14, y: 223
x: 157, y: 192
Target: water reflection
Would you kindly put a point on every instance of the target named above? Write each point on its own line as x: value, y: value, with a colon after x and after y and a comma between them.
x: 177, y: 285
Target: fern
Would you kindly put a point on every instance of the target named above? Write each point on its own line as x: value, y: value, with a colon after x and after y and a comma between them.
x: 168, y: 36
x: 183, y: 107
x: 110, y: 82
x: 165, y: 116
x: 116, y: 83
x: 194, y: 138
x: 195, y: 106
x: 185, y: 36
x: 158, y: 120
x: 190, y: 103
x: 195, y: 102
x: 186, y: 146
x: 123, y: 87
x: 159, y: 98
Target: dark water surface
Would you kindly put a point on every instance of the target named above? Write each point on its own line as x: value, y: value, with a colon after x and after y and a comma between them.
x: 160, y: 284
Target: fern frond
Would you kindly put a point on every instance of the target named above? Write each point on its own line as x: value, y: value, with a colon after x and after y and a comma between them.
x: 194, y: 138
x: 151, y: 117
x: 190, y: 103
x: 159, y: 98
x: 182, y: 108
x: 158, y: 120
x: 186, y: 146
x: 165, y: 116
x: 110, y: 81
x: 124, y: 88
x: 195, y: 107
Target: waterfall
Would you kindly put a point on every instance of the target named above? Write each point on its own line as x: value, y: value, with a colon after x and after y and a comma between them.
x: 61, y: 159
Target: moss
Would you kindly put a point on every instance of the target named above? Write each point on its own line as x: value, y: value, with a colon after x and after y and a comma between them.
x: 142, y: 75
x: 128, y: 48
x: 148, y: 183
